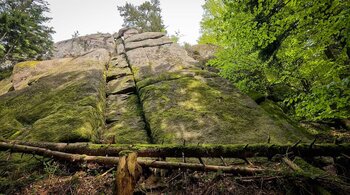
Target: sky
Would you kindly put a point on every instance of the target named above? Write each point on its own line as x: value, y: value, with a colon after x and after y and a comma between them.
x: 92, y: 16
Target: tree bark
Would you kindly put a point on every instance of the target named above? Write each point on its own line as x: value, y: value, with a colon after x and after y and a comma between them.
x: 128, y: 174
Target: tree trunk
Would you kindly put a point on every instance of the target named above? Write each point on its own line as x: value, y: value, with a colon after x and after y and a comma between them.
x: 128, y: 174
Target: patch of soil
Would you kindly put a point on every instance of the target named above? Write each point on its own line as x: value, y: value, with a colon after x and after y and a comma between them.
x: 79, y: 183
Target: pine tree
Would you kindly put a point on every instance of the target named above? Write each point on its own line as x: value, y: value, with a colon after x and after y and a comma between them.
x: 23, y: 33
x: 146, y: 16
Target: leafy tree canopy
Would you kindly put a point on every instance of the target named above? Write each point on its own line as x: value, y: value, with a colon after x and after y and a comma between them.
x: 23, y: 33
x: 296, y: 52
x: 146, y: 16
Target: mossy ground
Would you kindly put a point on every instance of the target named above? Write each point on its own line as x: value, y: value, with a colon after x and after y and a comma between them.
x: 28, y: 174
x: 17, y: 171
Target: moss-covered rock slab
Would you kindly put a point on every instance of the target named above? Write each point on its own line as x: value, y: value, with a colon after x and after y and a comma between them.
x: 181, y: 101
x: 5, y: 86
x: 118, y: 105
x: 207, y: 110
x: 59, y: 100
x: 121, y: 85
x: 124, y: 116
x: 115, y: 72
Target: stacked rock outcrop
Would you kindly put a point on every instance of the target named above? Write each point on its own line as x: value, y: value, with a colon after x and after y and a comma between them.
x: 181, y: 102
x: 132, y: 88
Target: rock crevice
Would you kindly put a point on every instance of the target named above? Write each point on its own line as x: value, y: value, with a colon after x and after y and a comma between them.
x: 181, y: 102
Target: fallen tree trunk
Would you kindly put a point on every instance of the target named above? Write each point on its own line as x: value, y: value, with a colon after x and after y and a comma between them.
x: 213, y: 151
x: 16, y: 148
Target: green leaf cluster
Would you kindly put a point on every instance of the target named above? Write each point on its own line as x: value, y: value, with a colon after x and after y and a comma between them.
x: 23, y: 31
x: 146, y: 16
x: 295, y: 52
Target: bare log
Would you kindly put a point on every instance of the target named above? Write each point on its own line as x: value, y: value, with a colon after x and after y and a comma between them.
x: 16, y: 148
x: 195, y: 151
x: 240, y: 170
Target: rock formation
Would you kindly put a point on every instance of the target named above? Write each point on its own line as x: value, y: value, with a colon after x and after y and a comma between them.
x: 133, y: 88
x: 81, y: 45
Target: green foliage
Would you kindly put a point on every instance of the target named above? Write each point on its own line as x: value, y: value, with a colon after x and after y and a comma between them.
x: 23, y: 33
x: 51, y: 167
x: 17, y: 171
x: 301, y: 45
x: 146, y: 16
x: 5, y: 73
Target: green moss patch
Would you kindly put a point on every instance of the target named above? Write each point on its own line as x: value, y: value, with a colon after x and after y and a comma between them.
x: 291, y: 127
x: 203, y: 109
x: 65, y: 107
x: 127, y: 125
x: 17, y: 172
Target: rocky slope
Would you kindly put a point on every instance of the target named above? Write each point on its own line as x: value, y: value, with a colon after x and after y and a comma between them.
x: 130, y: 88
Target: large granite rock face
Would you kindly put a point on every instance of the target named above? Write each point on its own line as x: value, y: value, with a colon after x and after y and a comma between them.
x: 56, y: 100
x: 131, y: 88
x: 180, y: 101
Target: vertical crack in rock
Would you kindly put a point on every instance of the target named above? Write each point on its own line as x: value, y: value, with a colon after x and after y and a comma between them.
x: 124, y: 116
x: 180, y: 101
x: 147, y: 126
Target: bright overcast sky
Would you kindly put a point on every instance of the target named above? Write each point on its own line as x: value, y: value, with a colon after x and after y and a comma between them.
x: 92, y: 16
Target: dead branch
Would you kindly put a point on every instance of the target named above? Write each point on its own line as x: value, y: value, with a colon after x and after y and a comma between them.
x: 214, y: 151
x: 79, y: 158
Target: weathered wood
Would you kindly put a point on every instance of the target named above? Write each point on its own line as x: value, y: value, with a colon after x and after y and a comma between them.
x: 79, y: 158
x: 214, y: 151
x: 291, y: 164
x: 128, y: 174
x: 205, y: 168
